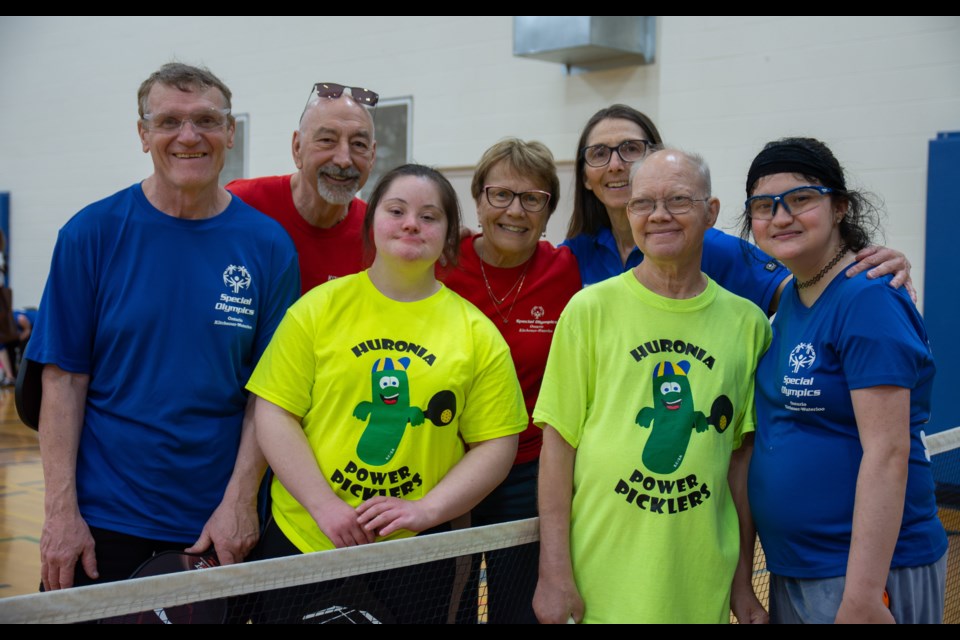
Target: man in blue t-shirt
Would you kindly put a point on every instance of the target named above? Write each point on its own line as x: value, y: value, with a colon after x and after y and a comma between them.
x: 159, y: 301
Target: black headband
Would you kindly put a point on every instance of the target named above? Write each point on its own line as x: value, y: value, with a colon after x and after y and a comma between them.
x: 790, y: 157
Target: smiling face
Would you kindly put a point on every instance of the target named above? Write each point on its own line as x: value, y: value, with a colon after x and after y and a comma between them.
x: 676, y: 239
x: 671, y: 391
x: 409, y: 223
x: 188, y: 159
x: 611, y: 183
x: 391, y: 388
x: 334, y: 149
x: 510, y: 234
x: 803, y: 242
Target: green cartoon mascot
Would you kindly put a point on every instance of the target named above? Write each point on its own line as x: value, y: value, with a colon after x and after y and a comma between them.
x: 389, y: 412
x: 674, y: 416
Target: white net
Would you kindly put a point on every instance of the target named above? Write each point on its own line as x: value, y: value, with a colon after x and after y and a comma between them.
x: 440, y: 578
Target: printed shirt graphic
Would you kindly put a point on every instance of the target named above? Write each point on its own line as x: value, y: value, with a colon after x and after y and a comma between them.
x: 860, y: 333
x: 388, y: 392
x: 137, y: 299
x: 653, y: 545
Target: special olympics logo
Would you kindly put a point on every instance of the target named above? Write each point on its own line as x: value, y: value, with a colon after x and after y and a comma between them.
x: 537, y: 312
x: 236, y: 278
x: 802, y: 356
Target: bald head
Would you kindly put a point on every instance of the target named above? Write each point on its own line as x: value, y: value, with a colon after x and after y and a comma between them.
x: 343, y: 105
x: 670, y: 208
x: 689, y: 168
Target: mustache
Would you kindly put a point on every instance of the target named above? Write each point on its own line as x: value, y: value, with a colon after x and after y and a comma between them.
x: 337, y: 172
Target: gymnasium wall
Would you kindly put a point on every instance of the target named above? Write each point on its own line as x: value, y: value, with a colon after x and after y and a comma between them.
x: 876, y: 89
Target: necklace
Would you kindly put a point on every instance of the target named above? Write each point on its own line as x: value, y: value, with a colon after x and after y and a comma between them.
x: 518, y: 285
x: 815, y: 279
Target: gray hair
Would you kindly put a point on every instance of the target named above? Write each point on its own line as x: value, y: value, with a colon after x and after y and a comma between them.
x: 185, y: 78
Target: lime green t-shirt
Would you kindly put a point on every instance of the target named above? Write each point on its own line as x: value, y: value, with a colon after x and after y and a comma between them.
x: 388, y: 392
x: 654, y: 394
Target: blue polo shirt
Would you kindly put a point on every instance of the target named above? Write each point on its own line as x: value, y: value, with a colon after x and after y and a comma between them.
x: 736, y: 265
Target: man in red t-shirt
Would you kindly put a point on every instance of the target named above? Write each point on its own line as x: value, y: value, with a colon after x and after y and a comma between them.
x: 334, y: 150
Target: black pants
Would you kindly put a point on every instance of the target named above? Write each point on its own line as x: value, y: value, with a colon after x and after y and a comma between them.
x: 119, y: 555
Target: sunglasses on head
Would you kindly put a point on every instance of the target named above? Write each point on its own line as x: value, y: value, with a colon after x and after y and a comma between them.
x: 333, y: 91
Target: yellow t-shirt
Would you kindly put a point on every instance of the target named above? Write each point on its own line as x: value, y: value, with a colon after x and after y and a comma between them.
x: 654, y: 394
x: 387, y: 392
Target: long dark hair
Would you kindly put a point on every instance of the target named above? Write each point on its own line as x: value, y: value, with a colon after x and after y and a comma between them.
x: 589, y: 214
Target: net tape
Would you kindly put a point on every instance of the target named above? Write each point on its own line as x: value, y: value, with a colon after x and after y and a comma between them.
x: 133, y: 596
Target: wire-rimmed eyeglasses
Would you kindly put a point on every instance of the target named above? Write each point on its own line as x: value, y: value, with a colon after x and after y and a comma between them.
x: 598, y: 155
x: 675, y: 205
x: 531, y: 201
x: 202, y: 121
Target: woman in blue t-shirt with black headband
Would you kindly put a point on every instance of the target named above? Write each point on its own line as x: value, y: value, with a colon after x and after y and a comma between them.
x: 840, y: 489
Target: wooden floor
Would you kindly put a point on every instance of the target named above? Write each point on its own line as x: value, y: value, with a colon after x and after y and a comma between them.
x: 21, y: 502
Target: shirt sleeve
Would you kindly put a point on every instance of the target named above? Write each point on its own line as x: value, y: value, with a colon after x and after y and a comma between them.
x: 882, y: 339
x: 283, y: 292
x: 747, y: 421
x: 741, y: 268
x: 494, y: 404
x: 286, y: 372
x: 567, y: 388
x: 64, y: 331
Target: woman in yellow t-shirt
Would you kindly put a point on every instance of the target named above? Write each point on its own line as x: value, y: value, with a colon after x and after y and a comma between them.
x: 386, y: 404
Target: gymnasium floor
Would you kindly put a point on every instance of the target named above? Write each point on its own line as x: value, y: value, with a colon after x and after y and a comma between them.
x: 21, y: 502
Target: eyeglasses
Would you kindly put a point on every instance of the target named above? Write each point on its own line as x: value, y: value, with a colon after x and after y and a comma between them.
x: 599, y: 155
x: 795, y: 201
x: 675, y: 205
x: 203, y: 121
x: 333, y: 91
x: 530, y: 201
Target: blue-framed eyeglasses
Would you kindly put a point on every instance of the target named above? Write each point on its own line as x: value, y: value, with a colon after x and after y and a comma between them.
x: 795, y: 201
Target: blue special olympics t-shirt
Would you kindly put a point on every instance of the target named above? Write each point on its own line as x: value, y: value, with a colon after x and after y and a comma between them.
x: 736, y: 265
x: 860, y: 333
x: 168, y: 317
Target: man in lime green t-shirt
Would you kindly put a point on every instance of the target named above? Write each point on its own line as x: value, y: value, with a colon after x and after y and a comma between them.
x: 647, y: 395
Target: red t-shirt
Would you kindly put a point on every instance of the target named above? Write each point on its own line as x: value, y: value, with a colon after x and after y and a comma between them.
x: 531, y: 311
x: 324, y: 254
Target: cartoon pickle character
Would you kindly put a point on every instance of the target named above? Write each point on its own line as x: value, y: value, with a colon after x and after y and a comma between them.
x: 389, y: 412
x: 674, y: 416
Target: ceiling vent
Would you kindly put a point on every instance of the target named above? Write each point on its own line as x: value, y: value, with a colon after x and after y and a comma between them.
x: 586, y: 43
